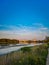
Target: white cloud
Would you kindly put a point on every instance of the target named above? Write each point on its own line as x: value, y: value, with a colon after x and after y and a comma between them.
x: 24, y: 32
x: 43, y: 28
x: 37, y: 24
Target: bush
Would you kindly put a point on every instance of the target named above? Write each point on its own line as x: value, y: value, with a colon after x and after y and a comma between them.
x: 26, y: 49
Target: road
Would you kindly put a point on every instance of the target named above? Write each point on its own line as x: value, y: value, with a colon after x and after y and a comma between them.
x: 47, y: 62
x: 15, y: 48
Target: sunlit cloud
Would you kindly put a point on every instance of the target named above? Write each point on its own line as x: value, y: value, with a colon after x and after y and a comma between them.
x: 22, y: 32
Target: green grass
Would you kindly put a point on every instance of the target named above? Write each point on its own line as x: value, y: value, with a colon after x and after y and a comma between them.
x: 29, y: 56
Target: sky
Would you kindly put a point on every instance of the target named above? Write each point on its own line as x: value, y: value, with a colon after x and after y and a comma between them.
x: 24, y: 19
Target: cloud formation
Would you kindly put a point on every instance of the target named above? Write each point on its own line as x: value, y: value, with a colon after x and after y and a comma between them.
x: 36, y: 31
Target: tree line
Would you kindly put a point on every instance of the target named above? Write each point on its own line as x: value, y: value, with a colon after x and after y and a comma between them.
x: 8, y: 41
x: 14, y: 41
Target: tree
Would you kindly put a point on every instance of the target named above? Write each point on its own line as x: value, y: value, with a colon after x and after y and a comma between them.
x: 47, y: 39
x: 29, y: 41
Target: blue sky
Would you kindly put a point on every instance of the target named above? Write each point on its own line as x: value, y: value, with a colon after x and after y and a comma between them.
x: 24, y: 14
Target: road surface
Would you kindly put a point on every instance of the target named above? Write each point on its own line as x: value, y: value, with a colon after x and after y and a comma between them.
x: 16, y: 48
x: 47, y: 62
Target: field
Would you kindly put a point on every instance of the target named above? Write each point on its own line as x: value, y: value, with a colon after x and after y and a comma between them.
x: 36, y: 55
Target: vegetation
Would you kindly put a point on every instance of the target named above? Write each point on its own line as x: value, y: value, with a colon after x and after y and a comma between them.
x: 26, y: 49
x: 46, y: 40
x: 8, y: 41
x: 14, y: 41
x: 27, y: 56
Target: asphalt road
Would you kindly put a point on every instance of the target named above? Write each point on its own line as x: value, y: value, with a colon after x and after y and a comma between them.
x: 47, y: 62
x: 14, y: 48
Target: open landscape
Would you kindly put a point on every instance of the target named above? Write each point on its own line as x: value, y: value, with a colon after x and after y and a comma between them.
x: 24, y: 54
x: 34, y: 55
x: 24, y: 32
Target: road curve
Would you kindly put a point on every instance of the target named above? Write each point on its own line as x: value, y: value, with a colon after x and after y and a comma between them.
x: 16, y: 48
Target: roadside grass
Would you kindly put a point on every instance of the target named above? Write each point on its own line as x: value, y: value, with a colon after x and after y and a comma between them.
x: 36, y: 55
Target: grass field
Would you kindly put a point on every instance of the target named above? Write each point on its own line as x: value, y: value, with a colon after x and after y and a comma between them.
x: 36, y: 55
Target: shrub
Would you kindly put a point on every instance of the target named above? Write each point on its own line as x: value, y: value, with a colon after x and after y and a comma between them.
x: 26, y: 49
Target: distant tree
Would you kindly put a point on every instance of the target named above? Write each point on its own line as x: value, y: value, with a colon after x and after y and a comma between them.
x: 46, y: 39
x: 29, y: 41
x: 15, y: 41
x: 8, y: 41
